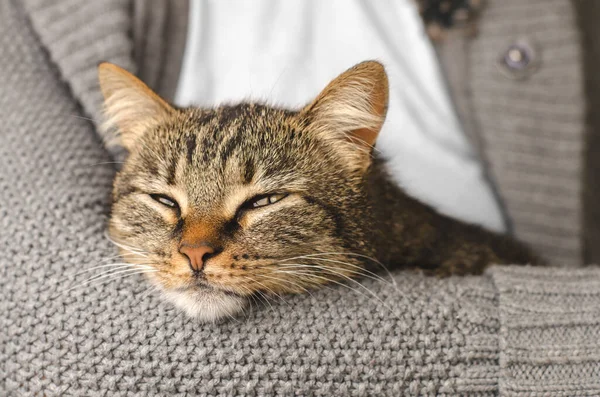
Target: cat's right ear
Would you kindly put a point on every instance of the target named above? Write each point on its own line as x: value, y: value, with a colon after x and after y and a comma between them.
x: 351, y: 110
x: 130, y: 106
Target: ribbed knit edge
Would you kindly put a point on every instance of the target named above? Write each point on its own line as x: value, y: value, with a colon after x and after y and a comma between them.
x: 144, y: 38
x: 78, y: 35
x: 549, y: 331
x: 533, y: 129
x: 480, y: 354
x: 159, y: 35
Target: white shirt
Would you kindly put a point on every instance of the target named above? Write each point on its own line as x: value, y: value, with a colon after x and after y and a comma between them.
x: 285, y: 52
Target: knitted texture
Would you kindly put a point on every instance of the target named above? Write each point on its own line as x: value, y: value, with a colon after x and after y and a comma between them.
x: 488, y: 335
x: 159, y: 35
x: 77, y: 39
x: 549, y: 344
x: 529, y: 125
x: 113, y: 340
x: 532, y: 128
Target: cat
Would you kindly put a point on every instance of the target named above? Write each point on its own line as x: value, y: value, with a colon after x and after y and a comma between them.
x: 226, y: 203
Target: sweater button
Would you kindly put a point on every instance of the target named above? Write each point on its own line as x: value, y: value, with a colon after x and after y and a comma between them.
x: 517, y: 57
x: 519, y: 60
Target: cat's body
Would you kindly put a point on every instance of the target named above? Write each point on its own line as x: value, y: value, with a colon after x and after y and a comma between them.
x: 248, y: 199
x: 410, y: 233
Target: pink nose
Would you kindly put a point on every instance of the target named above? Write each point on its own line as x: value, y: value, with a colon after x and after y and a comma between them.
x: 197, y: 254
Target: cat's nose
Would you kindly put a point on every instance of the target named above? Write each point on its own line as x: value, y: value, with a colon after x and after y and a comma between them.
x: 197, y: 254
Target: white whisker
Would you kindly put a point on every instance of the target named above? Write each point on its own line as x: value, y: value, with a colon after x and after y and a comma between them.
x: 94, y: 279
x: 133, y: 250
x: 265, y: 299
x: 331, y: 269
x: 393, y: 280
x: 267, y: 288
x: 113, y: 265
x: 373, y: 294
x: 82, y: 117
x: 124, y: 265
x: 287, y: 281
x: 147, y: 291
x: 111, y: 277
x: 361, y: 270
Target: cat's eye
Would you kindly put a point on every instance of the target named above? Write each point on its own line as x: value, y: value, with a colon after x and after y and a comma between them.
x: 262, y: 201
x: 165, y: 200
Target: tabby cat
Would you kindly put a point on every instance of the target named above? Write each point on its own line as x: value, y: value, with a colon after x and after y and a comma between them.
x: 226, y: 203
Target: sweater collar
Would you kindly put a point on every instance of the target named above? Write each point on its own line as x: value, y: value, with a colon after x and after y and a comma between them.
x: 78, y: 35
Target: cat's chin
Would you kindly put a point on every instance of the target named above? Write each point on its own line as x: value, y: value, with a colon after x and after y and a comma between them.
x: 206, y: 305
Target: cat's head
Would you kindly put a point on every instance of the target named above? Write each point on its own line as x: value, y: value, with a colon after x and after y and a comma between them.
x: 224, y: 204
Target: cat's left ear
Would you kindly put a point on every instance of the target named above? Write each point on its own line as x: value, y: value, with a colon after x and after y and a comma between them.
x: 130, y: 106
x: 351, y: 111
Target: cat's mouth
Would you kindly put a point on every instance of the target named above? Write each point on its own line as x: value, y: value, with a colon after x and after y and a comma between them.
x: 206, y: 304
x: 199, y: 297
x: 201, y: 284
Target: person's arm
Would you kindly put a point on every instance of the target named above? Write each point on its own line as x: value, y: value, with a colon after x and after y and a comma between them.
x: 509, y: 330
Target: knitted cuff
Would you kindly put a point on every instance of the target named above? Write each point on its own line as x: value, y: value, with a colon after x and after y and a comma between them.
x: 549, y: 330
x: 80, y: 35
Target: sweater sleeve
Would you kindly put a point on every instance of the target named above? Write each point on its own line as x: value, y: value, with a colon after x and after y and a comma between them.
x: 59, y: 336
x: 527, y: 116
x: 510, y: 331
x: 549, y: 330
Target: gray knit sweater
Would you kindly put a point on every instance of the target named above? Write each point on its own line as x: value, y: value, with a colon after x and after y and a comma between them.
x: 513, y: 331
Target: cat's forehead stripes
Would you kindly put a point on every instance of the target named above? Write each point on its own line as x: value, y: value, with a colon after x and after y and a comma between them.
x: 217, y: 159
x: 212, y: 137
x: 239, y: 134
x: 211, y: 161
x: 211, y: 157
x: 190, y: 143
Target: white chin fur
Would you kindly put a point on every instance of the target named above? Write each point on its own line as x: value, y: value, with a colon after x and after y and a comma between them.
x: 206, y: 305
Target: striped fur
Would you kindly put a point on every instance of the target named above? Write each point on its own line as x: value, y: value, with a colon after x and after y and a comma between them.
x: 340, y: 216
